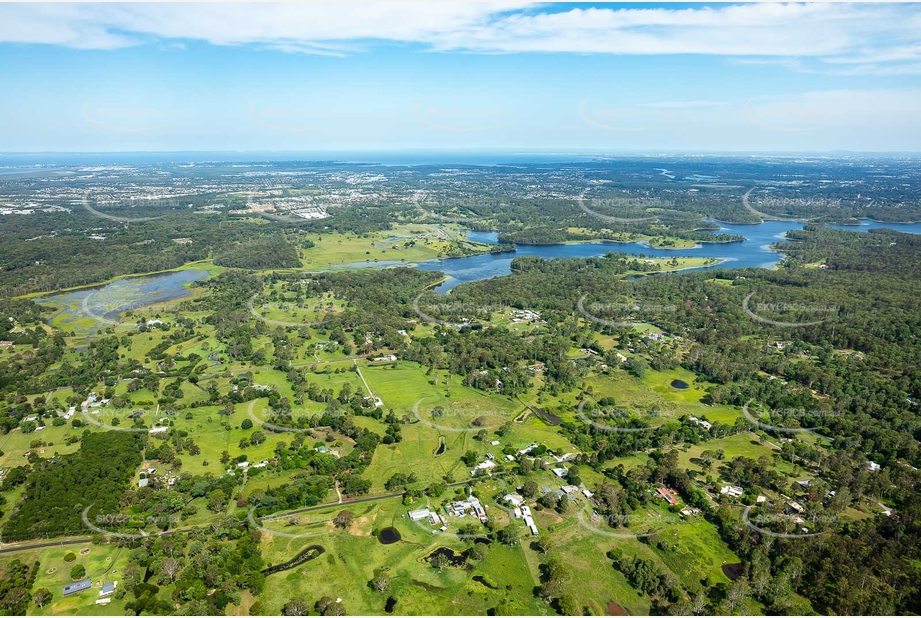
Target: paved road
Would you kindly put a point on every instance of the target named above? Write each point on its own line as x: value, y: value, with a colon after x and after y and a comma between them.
x: 598, y: 215
x: 764, y: 215
x: 77, y: 541
x: 319, y: 507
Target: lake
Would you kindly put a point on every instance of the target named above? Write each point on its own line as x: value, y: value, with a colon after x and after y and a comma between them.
x: 753, y: 252
x: 107, y: 301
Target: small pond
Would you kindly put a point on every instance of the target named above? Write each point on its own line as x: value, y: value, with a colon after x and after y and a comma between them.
x: 733, y: 571
x: 389, y: 535
x: 485, y: 582
x: 305, y: 555
x: 454, y: 559
x: 551, y: 419
x: 680, y: 384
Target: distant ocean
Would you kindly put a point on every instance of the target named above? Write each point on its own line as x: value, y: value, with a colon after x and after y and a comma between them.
x: 394, y: 157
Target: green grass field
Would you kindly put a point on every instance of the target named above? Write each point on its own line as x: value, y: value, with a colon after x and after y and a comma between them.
x: 354, y: 556
x: 103, y: 563
x: 387, y: 246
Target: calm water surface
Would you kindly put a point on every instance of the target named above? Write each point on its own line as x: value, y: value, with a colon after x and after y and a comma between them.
x: 753, y: 252
x: 111, y: 299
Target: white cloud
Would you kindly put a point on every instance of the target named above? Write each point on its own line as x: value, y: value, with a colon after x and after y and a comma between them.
x: 856, y: 34
x: 304, y: 27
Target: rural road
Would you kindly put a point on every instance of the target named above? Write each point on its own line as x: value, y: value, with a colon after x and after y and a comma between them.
x: 76, y: 541
x: 319, y: 507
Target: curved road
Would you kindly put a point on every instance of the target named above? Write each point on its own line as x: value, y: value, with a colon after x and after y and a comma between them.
x: 318, y: 507
x: 764, y: 216
x: 609, y: 218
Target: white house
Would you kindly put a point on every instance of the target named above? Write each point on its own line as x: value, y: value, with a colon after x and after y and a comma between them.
x: 514, y: 499
x: 472, y: 503
x: 483, y: 466
x: 529, y: 522
x: 732, y: 491
x: 419, y: 514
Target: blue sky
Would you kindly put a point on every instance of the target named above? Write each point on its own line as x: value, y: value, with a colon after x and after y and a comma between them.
x: 512, y: 76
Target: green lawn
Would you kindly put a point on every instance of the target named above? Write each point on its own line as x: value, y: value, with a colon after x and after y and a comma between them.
x: 386, y: 246
x: 103, y: 563
x: 354, y: 556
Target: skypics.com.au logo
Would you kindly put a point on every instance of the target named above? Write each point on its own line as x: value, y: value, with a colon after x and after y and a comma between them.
x: 283, y: 323
x: 639, y: 524
x: 458, y: 119
x: 459, y: 313
x: 321, y: 524
x: 454, y: 419
x: 759, y: 312
x: 112, y: 419
x: 112, y: 524
x: 292, y: 119
x: 265, y: 210
x: 792, y: 418
x: 609, y: 419
x: 432, y: 207
x: 609, y: 203
x: 791, y: 526
x: 92, y: 205
x: 287, y: 418
x: 98, y: 310
x: 623, y: 314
